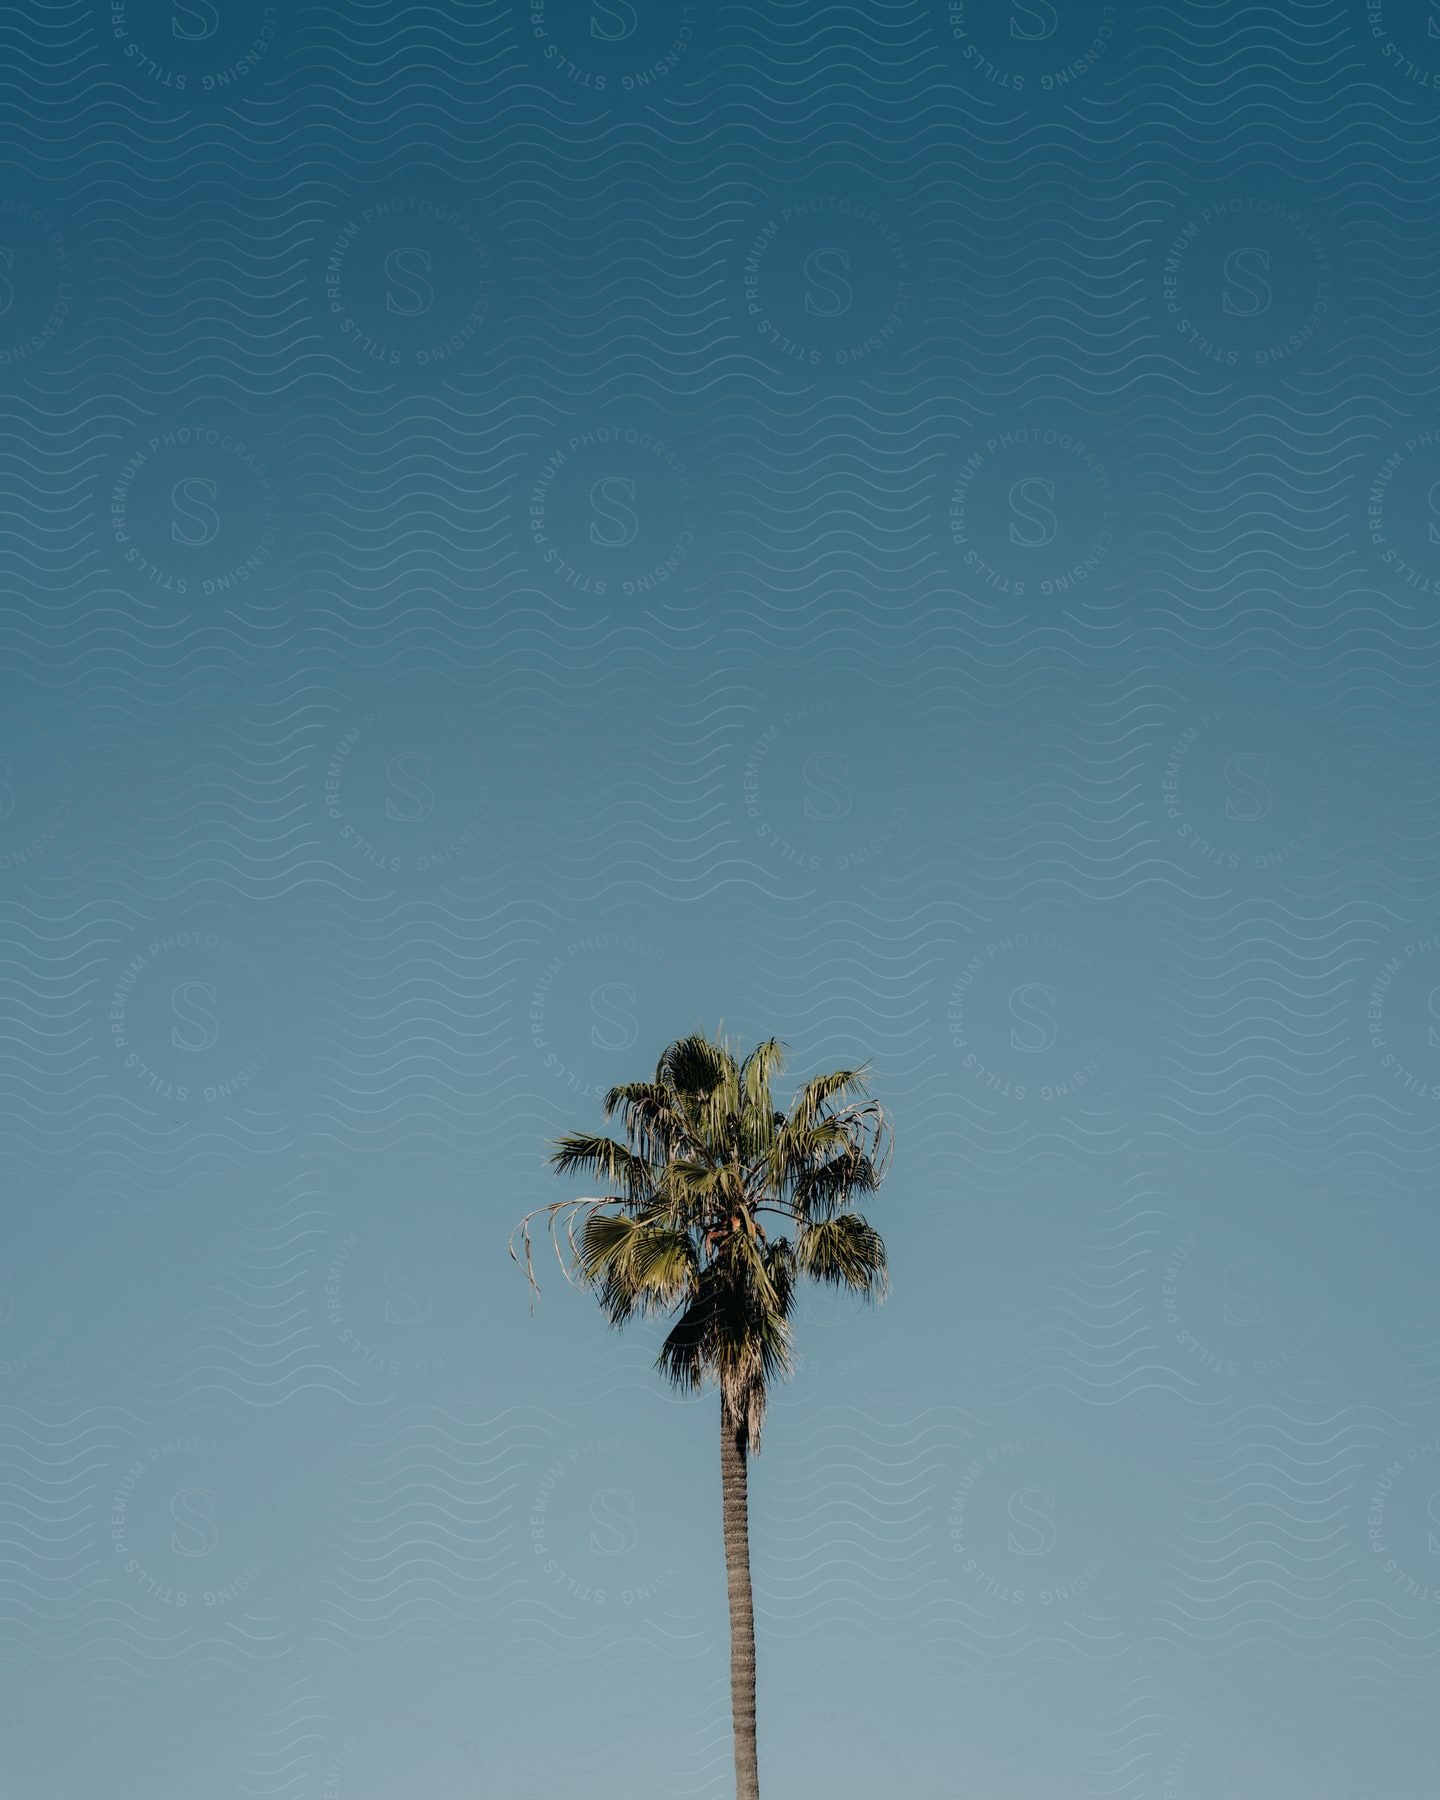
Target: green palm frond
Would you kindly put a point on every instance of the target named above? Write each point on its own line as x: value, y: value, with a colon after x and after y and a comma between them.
x: 654, y: 1127
x: 707, y: 1164
x: 636, y: 1267
x: 758, y: 1072
x: 832, y: 1186
x: 684, y: 1356
x: 695, y: 1068
x: 618, y: 1167
x: 815, y: 1096
x: 845, y: 1252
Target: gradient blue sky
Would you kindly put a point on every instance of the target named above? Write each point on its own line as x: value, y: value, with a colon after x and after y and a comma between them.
x: 531, y: 528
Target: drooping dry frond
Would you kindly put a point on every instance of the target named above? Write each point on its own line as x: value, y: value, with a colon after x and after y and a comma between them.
x: 557, y: 1213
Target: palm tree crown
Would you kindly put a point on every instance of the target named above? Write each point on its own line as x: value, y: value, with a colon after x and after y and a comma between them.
x: 707, y: 1158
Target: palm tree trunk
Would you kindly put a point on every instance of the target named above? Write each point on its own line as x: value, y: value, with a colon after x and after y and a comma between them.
x: 734, y: 1481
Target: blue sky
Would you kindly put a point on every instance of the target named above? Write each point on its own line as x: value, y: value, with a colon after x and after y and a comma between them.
x: 532, y: 529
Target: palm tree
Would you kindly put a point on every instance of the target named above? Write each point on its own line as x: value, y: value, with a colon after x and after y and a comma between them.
x: 707, y: 1156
